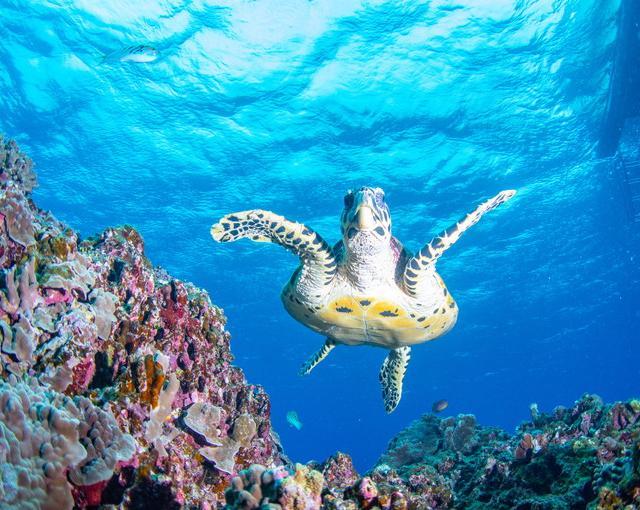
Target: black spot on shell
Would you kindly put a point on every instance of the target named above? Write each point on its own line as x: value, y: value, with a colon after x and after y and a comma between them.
x: 280, y: 230
x: 414, y: 264
x: 421, y: 319
x: 388, y: 313
x: 344, y: 309
x: 365, y: 302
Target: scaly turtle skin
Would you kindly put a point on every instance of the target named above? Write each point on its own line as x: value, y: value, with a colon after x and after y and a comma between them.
x: 367, y: 289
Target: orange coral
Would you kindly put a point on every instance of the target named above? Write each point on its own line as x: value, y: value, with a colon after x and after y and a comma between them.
x: 154, y: 380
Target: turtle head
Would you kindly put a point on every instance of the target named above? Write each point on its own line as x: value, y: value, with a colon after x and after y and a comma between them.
x: 365, y: 221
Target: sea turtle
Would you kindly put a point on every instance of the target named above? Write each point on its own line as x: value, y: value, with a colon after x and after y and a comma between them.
x: 367, y: 289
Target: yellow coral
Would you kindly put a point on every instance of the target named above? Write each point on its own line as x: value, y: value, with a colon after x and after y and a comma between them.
x: 608, y: 500
x: 635, y: 405
x: 244, y: 429
x: 310, y: 479
x: 583, y: 445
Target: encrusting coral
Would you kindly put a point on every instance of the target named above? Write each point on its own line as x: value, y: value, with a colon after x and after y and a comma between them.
x: 103, y: 338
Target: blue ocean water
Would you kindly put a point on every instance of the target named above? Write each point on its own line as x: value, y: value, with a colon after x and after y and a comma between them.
x: 285, y: 105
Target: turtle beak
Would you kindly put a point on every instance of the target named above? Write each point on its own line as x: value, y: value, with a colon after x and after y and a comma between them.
x: 363, y: 219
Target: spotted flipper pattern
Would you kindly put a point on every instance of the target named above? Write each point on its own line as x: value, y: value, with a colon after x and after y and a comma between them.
x: 265, y: 226
x: 317, y: 357
x: 423, y: 262
x: 391, y: 376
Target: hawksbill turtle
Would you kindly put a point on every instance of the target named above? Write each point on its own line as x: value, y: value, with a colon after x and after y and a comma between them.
x: 367, y: 289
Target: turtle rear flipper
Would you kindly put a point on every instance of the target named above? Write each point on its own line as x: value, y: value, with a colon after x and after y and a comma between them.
x: 391, y: 376
x: 265, y: 226
x: 317, y: 357
x: 422, y: 264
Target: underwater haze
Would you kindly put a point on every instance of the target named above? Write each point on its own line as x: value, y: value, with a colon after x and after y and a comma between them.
x: 283, y: 106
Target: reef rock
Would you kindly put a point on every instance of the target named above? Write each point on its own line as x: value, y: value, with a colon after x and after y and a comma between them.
x: 119, y: 352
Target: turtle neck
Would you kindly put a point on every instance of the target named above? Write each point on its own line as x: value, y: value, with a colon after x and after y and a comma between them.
x: 366, y: 270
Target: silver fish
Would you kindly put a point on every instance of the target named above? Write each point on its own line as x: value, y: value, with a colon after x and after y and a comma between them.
x: 138, y: 54
x: 439, y: 406
x: 293, y: 420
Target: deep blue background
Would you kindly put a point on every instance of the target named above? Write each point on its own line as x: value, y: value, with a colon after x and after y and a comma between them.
x: 285, y: 105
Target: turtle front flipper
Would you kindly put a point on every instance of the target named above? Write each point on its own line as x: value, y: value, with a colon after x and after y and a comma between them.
x: 265, y: 226
x: 317, y: 357
x: 391, y: 376
x: 422, y: 264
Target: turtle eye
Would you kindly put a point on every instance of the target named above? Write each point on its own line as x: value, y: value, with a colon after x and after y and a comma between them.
x: 380, y: 199
x: 348, y: 199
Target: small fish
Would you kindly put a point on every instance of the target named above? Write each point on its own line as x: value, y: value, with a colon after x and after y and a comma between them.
x: 138, y: 54
x: 293, y: 420
x: 439, y: 406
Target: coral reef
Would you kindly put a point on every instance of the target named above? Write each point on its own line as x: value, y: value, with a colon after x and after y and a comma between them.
x: 117, y: 391
x: 107, y: 365
x: 585, y: 457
